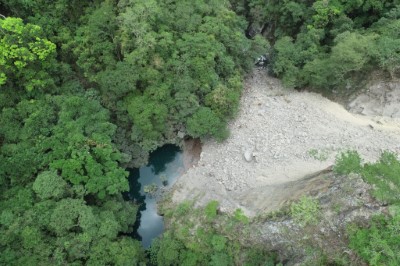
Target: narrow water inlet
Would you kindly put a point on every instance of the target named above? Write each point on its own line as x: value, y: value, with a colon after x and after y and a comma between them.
x: 165, y: 165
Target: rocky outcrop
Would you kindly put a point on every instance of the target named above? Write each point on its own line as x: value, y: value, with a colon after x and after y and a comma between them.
x: 379, y: 98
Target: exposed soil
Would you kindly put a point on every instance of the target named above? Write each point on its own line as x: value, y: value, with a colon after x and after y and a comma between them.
x: 278, y: 138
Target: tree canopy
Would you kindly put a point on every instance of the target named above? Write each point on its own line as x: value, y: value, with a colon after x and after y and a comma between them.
x: 327, y: 45
x: 80, y: 80
x: 26, y: 56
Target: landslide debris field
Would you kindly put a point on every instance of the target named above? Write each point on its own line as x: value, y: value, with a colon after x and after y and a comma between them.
x: 279, y: 140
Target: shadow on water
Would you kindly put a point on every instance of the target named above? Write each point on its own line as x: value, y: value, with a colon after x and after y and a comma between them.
x: 165, y: 165
x: 162, y: 157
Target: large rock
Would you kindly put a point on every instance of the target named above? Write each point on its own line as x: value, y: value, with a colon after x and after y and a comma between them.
x: 248, y: 155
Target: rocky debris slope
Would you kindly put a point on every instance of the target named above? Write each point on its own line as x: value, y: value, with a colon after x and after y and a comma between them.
x: 278, y: 137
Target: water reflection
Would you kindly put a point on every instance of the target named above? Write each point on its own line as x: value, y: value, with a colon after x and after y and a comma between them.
x: 166, y: 162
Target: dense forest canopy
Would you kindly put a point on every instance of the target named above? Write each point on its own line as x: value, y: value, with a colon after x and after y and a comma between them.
x: 87, y: 87
x: 327, y: 44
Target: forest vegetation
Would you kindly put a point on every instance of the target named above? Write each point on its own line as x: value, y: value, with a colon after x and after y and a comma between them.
x: 87, y: 87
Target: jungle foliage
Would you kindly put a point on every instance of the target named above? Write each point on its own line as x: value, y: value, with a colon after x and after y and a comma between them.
x: 327, y: 44
x: 81, y: 79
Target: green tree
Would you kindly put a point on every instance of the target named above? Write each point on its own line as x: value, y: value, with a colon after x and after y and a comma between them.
x: 287, y: 61
x: 149, y: 116
x: 348, y: 162
x: 50, y: 185
x: 305, y: 211
x: 206, y: 123
x: 95, y: 44
x: 223, y: 101
x: 26, y: 56
x: 384, y: 174
x: 378, y: 244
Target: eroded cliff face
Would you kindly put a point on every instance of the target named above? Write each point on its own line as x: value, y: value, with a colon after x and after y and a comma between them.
x: 380, y: 97
x: 279, y: 139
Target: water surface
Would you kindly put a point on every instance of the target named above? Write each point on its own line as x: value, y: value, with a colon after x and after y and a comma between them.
x: 166, y: 161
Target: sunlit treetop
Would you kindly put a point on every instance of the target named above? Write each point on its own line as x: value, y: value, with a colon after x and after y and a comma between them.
x: 26, y: 56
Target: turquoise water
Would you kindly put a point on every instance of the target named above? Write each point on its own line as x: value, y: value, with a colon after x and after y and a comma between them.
x: 166, y: 162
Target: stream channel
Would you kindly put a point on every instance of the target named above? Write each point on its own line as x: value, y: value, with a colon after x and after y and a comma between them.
x: 164, y: 167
